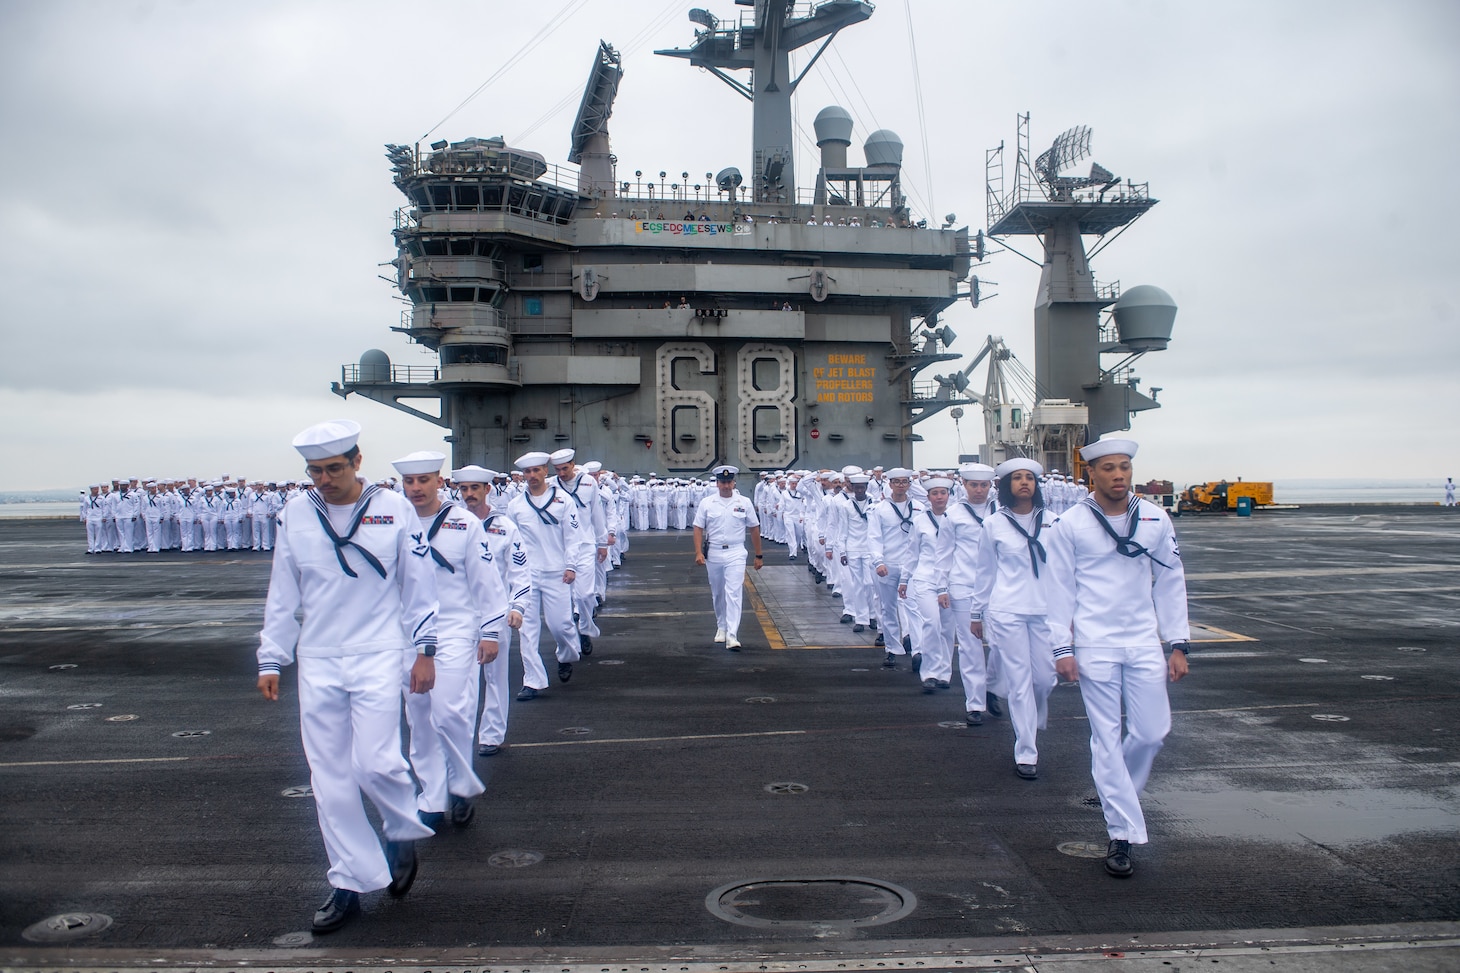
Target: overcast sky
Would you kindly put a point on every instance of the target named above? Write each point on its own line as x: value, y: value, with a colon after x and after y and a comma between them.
x: 195, y: 201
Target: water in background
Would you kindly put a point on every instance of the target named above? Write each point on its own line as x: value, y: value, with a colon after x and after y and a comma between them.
x: 1302, y: 492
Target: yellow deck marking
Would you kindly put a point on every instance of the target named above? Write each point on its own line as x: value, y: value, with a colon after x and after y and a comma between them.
x: 772, y: 633
x: 1226, y: 636
x: 118, y: 760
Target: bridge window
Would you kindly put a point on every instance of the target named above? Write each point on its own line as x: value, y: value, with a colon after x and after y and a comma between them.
x: 473, y: 355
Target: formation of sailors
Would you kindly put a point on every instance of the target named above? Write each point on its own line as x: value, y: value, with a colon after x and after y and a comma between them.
x: 128, y: 515
x: 385, y: 594
x: 1087, y: 585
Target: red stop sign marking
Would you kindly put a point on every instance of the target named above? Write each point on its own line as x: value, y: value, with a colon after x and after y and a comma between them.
x: 816, y: 434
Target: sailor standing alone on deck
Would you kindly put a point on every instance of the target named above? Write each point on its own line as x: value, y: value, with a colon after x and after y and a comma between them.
x: 1116, y: 590
x: 346, y: 561
x: 721, y: 521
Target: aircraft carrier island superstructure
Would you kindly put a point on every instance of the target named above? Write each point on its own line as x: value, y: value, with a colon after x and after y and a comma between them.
x: 667, y: 322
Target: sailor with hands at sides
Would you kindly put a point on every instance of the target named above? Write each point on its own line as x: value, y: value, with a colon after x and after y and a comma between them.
x: 967, y: 515
x: 889, y: 540
x: 721, y: 522
x: 510, y: 559
x: 1117, y: 589
x: 352, y: 585
x: 924, y: 587
x: 1008, y: 606
x: 469, y: 630
x: 558, y: 546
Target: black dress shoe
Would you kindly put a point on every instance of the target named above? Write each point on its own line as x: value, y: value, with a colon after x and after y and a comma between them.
x: 890, y: 662
x: 995, y: 707
x: 565, y: 671
x: 872, y: 624
x: 337, y: 910
x: 432, y: 819
x: 526, y: 693
x: 907, y: 643
x: 836, y: 594
x: 880, y: 642
x: 402, y: 858
x: 917, y: 662
x: 974, y: 718
x: 461, y: 810
x: 859, y: 627
x: 846, y: 619
x: 929, y: 685
x: 488, y: 749
x: 942, y: 684
x: 1027, y: 771
x: 585, y: 645
x: 1117, y: 859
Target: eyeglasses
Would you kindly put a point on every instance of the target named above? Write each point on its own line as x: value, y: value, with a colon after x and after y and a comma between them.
x: 333, y: 471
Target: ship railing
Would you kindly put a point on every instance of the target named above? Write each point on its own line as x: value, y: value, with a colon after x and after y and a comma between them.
x: 370, y: 374
x: 1107, y: 290
x: 534, y: 324
x: 540, y: 280
x: 1036, y: 192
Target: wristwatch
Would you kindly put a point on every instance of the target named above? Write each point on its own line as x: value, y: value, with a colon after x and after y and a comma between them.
x: 1183, y: 647
x: 428, y: 650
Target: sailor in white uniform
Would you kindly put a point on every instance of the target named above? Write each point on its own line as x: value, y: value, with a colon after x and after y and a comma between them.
x: 1116, y: 591
x: 1449, y: 491
x: 347, y: 565
x: 469, y: 629
x: 924, y: 587
x: 510, y: 559
x: 967, y: 515
x: 93, y: 514
x: 1009, y: 606
x: 850, y: 530
x: 582, y: 489
x: 889, y: 540
x: 721, y: 521
x: 557, y: 546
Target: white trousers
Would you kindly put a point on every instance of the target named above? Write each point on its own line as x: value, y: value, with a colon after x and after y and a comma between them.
x: 349, y: 718
x: 154, y: 533
x: 496, y: 693
x: 585, y: 598
x: 95, y: 536
x: 1020, y: 646
x: 661, y: 515
x: 727, y: 587
x: 441, y: 726
x: 210, y: 532
x: 932, y: 631
x: 857, y: 595
x: 550, y: 604
x: 972, y: 670
x: 884, y: 592
x: 235, y: 526
x: 1136, y: 676
x: 681, y: 514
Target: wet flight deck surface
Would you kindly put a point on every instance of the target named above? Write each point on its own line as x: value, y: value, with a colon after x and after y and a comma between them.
x: 679, y: 802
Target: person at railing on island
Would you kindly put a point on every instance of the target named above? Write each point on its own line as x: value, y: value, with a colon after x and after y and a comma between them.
x: 683, y: 301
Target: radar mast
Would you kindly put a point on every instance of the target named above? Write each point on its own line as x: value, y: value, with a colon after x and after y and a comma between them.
x: 763, y: 46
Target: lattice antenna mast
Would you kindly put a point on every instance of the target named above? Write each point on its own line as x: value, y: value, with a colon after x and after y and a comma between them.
x: 764, y: 48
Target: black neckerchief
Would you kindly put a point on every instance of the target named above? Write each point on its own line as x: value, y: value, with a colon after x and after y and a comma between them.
x: 356, y: 516
x: 937, y: 528
x: 577, y: 484
x: 860, y: 512
x: 435, y: 529
x: 542, y: 512
x: 971, y: 512
x: 1123, y: 545
x: 1036, y: 549
x: 904, y: 522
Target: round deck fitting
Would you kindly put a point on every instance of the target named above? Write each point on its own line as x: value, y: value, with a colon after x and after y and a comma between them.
x: 822, y: 903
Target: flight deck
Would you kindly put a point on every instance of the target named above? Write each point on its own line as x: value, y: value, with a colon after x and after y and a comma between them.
x: 794, y: 806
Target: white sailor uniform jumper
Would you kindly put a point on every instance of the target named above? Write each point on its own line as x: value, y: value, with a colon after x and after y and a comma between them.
x: 473, y: 608
x: 510, y: 559
x: 889, y: 540
x: 1009, y: 598
x: 926, y: 576
x: 366, y: 589
x: 552, y: 533
x: 1117, y: 589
